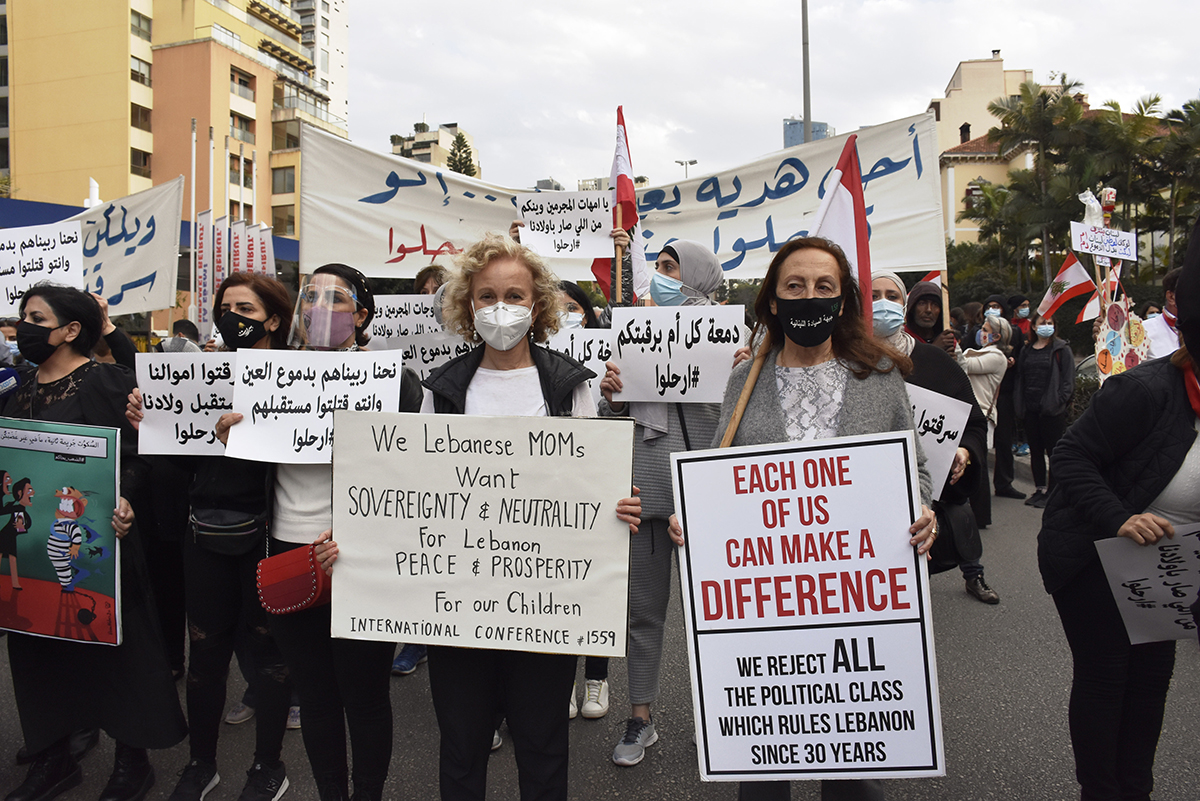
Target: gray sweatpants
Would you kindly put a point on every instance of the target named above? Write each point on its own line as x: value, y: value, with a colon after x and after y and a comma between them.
x: 650, y: 556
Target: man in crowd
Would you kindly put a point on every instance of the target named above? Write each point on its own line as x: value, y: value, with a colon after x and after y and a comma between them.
x: 923, y: 317
x: 1164, y: 336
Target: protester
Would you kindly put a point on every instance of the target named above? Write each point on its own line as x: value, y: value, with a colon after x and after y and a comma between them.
x: 429, y: 279
x: 1149, y: 309
x: 972, y: 320
x: 1004, y: 436
x: 577, y: 308
x: 823, y: 376
x: 686, y: 273
x: 923, y: 318
x: 1163, y: 331
x: 1127, y: 468
x: 138, y: 706
x: 986, y: 365
x: 1042, y: 392
x: 1020, y: 308
x: 503, y: 294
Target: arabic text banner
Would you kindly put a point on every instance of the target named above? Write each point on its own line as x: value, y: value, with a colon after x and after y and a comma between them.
x: 183, y: 396
x: 390, y: 216
x: 37, y: 253
x: 68, y: 557
x: 1154, y: 585
x: 482, y: 532
x: 574, y: 224
x: 676, y: 354
x: 287, y: 399
x: 131, y: 248
x: 809, y: 630
x: 939, y: 421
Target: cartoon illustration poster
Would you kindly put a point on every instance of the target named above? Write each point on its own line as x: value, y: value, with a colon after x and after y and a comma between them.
x: 59, y: 560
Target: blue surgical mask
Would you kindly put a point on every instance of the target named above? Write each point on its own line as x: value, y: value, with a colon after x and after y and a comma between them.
x: 983, y: 338
x: 1023, y: 312
x: 990, y: 312
x: 1149, y: 316
x: 888, y: 317
x: 13, y: 348
x: 1045, y: 331
x: 666, y: 291
x: 570, y: 320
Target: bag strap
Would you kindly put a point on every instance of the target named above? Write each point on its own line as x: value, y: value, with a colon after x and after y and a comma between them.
x: 687, y: 442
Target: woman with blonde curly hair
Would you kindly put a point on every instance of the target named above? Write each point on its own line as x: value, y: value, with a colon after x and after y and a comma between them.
x: 505, y: 296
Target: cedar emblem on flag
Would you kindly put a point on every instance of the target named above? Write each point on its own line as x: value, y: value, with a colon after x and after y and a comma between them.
x: 1071, y: 282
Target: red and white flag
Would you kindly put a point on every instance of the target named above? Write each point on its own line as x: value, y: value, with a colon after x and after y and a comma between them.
x: 1091, y: 310
x: 624, y: 201
x: 933, y: 277
x: 1071, y: 282
x: 842, y: 218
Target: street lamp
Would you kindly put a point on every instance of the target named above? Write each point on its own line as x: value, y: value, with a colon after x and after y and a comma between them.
x: 685, y: 165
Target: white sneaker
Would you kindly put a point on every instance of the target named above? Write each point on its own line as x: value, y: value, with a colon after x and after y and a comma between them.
x: 497, y: 740
x: 595, y: 699
x: 239, y: 714
x: 293, y: 721
x: 573, y: 710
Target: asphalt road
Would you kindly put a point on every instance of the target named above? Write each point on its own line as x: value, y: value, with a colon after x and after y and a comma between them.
x: 1004, y: 674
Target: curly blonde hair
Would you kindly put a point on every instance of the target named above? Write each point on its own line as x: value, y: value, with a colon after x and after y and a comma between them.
x: 457, y: 311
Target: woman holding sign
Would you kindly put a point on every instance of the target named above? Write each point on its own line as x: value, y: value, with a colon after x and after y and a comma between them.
x: 819, y: 373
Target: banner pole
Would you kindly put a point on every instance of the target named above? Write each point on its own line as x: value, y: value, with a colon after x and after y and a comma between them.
x: 747, y: 390
x: 194, y: 309
x: 254, y: 190
x: 618, y: 272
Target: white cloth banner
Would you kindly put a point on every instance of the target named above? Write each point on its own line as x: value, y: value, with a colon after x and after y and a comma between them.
x: 482, y: 532
x: 1154, y: 585
x: 204, y: 272
x: 390, y: 216
x: 131, y: 248
x: 252, y: 264
x: 237, y: 247
x: 939, y: 421
x: 266, y: 251
x: 220, y: 253
x: 571, y: 224
x: 37, y: 253
x: 288, y: 399
x: 679, y: 353
x: 809, y: 630
x: 183, y: 396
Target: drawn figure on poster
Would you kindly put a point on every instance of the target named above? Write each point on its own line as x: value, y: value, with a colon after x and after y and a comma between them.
x: 18, y: 521
x: 66, y: 536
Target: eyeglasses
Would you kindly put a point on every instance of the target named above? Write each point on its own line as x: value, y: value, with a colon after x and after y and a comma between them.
x: 315, y: 295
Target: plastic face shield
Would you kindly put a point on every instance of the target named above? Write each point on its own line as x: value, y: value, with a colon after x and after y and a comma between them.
x: 324, y: 315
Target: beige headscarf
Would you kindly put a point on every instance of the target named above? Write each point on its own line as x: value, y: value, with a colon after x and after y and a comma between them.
x: 901, y: 340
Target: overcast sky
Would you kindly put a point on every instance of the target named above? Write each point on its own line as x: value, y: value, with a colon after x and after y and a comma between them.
x: 537, y: 83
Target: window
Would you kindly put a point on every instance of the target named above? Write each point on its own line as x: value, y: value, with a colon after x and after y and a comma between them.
x: 324, y: 61
x: 285, y: 135
x: 139, y: 25
x: 325, y: 6
x: 139, y: 70
x: 324, y: 40
x: 241, y: 128
x: 248, y: 173
x: 4, y: 154
x: 325, y: 22
x: 4, y: 71
x: 3, y: 112
x: 283, y: 180
x: 235, y: 173
x: 3, y: 30
x: 139, y: 117
x: 325, y: 84
x: 139, y: 162
x: 283, y: 220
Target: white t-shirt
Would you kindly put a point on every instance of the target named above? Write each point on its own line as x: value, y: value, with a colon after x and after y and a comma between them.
x: 1163, y: 340
x: 1179, y: 501
x: 514, y: 393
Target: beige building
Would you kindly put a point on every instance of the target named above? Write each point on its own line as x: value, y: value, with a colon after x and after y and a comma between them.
x: 432, y: 145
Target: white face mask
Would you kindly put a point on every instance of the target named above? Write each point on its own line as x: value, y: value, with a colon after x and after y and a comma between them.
x: 570, y: 320
x: 503, y: 325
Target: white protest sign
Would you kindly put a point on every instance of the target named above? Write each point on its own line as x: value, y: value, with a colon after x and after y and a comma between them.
x: 809, y: 630
x: 36, y: 253
x: 1154, y: 585
x: 590, y: 346
x: 677, y: 353
x: 1103, y: 242
x: 567, y: 224
x: 287, y: 399
x: 939, y: 420
x: 400, y: 316
x: 424, y: 353
x: 183, y: 396
x: 482, y: 532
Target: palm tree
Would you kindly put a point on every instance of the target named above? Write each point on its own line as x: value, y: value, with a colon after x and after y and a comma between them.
x: 1179, y: 160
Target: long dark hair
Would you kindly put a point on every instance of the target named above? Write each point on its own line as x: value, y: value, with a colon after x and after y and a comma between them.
x: 70, y: 305
x: 852, y: 342
x: 274, y: 298
x: 577, y: 294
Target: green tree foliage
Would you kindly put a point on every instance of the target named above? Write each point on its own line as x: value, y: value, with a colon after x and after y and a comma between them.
x: 461, y: 160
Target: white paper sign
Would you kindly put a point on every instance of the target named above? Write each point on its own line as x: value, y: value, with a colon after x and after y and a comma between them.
x: 1103, y: 242
x: 809, y: 630
x: 680, y: 353
x: 939, y: 420
x: 1155, y: 585
x: 567, y: 224
x: 183, y: 396
x: 398, y: 317
x: 591, y: 346
x: 424, y: 353
x: 482, y: 532
x: 287, y: 399
x: 37, y: 253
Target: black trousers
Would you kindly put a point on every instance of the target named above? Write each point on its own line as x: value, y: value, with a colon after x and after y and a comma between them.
x: 1006, y: 423
x: 1044, y: 431
x: 222, y: 607
x: 1118, y: 692
x: 472, y: 688
x: 342, y: 684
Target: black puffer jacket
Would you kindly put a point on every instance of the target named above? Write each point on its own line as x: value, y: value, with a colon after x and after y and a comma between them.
x: 1112, y: 463
x: 559, y: 375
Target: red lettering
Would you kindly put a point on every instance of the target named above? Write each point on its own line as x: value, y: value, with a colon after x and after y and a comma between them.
x: 730, y: 558
x: 760, y: 599
x: 781, y: 596
x: 842, y: 544
x: 827, y: 546
x: 897, y: 587
x: 843, y: 470
x: 772, y: 483
x: 806, y: 589
x: 827, y: 593
x: 711, y: 589
x: 756, y: 482
x: 739, y: 479
x: 742, y: 599
x: 787, y: 475
x: 865, y: 548
x: 877, y: 602
x: 852, y: 591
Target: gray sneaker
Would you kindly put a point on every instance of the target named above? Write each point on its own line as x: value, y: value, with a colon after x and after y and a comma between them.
x: 639, y: 735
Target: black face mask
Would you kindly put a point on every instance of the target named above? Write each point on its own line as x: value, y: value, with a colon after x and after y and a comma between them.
x: 240, y: 332
x: 34, y: 341
x: 808, y: 321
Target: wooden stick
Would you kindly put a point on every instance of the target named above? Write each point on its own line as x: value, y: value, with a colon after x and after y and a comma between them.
x: 618, y: 272
x: 747, y: 390
x: 945, y: 303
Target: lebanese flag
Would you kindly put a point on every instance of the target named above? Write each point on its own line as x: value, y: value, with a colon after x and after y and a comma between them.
x: 1092, y: 310
x: 842, y: 218
x: 1071, y: 282
x: 934, y: 277
x: 625, y: 199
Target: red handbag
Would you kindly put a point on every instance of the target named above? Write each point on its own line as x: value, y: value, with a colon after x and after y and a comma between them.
x: 292, y: 581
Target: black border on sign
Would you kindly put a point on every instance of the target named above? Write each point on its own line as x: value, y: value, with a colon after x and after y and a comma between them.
x: 914, y: 511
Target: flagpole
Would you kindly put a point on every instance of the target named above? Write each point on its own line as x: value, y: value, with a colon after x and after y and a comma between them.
x: 619, y: 265
x: 945, y: 301
x: 211, y: 150
x: 254, y: 190
x: 194, y: 310
x: 241, y: 182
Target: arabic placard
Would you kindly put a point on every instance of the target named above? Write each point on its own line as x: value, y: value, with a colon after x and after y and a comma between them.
x: 482, y: 532
x: 1103, y: 242
x: 38, y: 253
x: 809, y: 630
x: 939, y: 422
x: 398, y: 317
x: 590, y: 346
x: 287, y: 399
x: 567, y: 224
x: 1154, y: 585
x: 679, y: 353
x: 183, y: 396
x: 59, y: 490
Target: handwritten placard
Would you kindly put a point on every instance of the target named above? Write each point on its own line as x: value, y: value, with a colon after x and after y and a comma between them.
x: 36, y: 253
x: 482, y: 532
x: 1155, y: 585
x: 680, y: 353
x: 939, y: 421
x: 287, y: 399
x: 1103, y: 242
x: 809, y: 631
x: 567, y: 224
x: 591, y: 346
x: 183, y: 396
x: 398, y: 317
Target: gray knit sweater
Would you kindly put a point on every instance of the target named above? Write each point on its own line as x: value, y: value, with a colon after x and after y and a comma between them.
x: 871, y: 405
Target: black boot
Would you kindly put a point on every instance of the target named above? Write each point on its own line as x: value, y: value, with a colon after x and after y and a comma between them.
x: 365, y: 792
x: 332, y: 790
x: 52, y: 773
x: 80, y: 743
x: 132, y: 775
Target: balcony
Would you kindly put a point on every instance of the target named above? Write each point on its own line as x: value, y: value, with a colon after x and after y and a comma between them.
x: 241, y: 91
x: 275, y: 13
x: 285, y: 55
x: 241, y: 135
